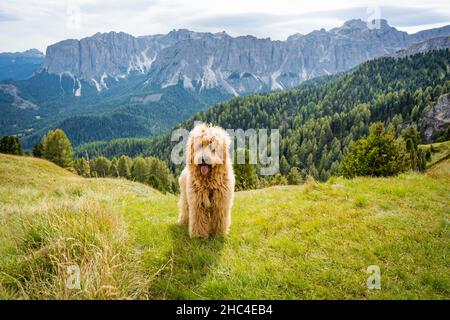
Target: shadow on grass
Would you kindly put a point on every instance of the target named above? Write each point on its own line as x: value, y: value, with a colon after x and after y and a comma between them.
x: 189, y: 263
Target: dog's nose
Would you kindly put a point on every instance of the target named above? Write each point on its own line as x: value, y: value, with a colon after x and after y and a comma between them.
x: 206, y: 160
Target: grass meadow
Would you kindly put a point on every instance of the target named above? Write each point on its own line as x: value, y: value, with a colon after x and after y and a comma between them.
x: 313, y: 241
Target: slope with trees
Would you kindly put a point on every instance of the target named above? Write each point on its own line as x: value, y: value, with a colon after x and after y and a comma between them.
x: 319, y: 122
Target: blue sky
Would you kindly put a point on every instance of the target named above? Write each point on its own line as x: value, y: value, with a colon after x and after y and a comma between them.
x: 36, y: 24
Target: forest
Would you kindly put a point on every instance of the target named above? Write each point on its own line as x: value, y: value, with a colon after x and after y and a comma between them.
x: 320, y: 120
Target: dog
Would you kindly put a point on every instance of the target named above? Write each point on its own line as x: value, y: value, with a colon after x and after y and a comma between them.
x: 207, y: 182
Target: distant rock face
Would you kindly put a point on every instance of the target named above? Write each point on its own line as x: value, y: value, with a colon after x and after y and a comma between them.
x: 18, y: 102
x: 20, y: 65
x: 31, y: 53
x: 238, y: 66
x: 424, y: 46
x: 107, y: 55
x: 437, y: 117
x: 110, y: 54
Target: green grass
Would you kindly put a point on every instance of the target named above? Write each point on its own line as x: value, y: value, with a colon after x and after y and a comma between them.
x: 293, y: 242
x: 441, y: 151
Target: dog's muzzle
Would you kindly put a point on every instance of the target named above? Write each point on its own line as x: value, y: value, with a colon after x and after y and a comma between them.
x: 205, y: 167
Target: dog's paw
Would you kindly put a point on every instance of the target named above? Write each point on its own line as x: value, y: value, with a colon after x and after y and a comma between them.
x: 200, y: 236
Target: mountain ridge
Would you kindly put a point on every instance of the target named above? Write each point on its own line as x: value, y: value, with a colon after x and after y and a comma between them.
x: 20, y: 65
x: 237, y: 65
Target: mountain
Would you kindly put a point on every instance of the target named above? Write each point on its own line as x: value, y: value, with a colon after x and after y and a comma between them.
x: 114, y: 85
x: 245, y: 65
x: 103, y: 55
x: 431, y: 33
x: 20, y: 65
x: 436, y: 118
x: 236, y: 65
x: 424, y: 46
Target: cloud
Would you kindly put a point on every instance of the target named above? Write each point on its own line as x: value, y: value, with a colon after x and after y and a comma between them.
x: 395, y: 15
x: 413, y: 16
x: 38, y: 23
x: 7, y: 17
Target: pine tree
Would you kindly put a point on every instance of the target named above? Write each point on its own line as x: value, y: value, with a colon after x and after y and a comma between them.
x: 158, y: 174
x: 379, y: 154
x: 38, y: 150
x: 124, y: 167
x: 81, y: 165
x: 245, y: 174
x: 10, y: 145
x: 284, y: 166
x: 113, y: 168
x: 140, y: 170
x: 100, y: 167
x: 57, y: 148
x: 417, y: 157
x: 294, y: 177
x: 278, y: 180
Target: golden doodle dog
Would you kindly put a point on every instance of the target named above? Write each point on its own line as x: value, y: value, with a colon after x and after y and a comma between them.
x: 207, y: 182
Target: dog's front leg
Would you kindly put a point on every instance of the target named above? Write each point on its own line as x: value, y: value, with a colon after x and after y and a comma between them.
x: 198, y: 216
x: 183, y: 216
x: 221, y: 212
x: 183, y: 206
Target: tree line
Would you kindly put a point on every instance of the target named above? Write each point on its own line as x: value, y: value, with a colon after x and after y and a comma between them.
x: 57, y: 148
x: 149, y: 170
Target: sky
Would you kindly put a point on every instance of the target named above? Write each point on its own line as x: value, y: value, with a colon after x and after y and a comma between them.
x: 28, y: 24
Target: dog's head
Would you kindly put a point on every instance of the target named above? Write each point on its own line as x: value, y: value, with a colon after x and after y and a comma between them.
x: 207, y: 148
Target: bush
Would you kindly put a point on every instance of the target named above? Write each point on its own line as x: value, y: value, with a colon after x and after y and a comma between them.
x: 140, y: 170
x: 417, y: 157
x: 82, y: 168
x: 159, y: 176
x: 124, y: 167
x: 100, y: 167
x: 245, y: 174
x: 114, y: 168
x: 379, y: 154
x: 294, y: 177
x: 278, y: 180
x: 38, y: 150
x: 10, y: 145
x: 57, y: 148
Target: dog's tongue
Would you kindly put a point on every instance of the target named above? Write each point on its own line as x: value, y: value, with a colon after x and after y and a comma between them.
x: 204, y: 169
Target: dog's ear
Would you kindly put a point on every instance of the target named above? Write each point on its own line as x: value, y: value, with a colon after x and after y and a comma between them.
x: 190, y: 147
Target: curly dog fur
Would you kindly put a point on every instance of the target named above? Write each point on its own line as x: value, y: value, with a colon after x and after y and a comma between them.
x: 207, y: 182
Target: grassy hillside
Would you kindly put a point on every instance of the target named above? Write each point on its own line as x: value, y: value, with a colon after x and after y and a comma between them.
x: 311, y: 241
x: 441, y: 151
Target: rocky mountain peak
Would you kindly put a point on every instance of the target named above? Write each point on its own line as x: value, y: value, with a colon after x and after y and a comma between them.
x: 295, y: 36
x: 355, y: 24
x: 33, y: 53
x: 236, y: 65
